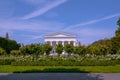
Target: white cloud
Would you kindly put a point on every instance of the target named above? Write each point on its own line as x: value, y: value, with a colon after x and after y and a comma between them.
x: 92, y: 21
x: 33, y: 26
x: 44, y: 9
x: 28, y: 31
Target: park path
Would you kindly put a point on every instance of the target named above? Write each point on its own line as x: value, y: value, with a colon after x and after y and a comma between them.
x: 60, y: 76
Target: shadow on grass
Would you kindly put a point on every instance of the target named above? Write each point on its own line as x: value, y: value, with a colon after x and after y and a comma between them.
x: 54, y: 70
x: 52, y: 74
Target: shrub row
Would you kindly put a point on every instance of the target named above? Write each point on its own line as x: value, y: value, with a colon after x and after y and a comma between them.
x: 58, y: 61
x: 67, y: 63
x: 6, y: 61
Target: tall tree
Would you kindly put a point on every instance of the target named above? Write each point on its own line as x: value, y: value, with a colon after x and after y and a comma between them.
x: 80, y: 50
x: 118, y: 30
x: 59, y: 49
x: 8, y: 45
x: 47, y: 48
x: 69, y: 48
x: 7, y: 36
x: 118, y: 22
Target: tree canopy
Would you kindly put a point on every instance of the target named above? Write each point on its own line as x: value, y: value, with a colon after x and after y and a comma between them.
x: 118, y: 22
x: 8, y: 45
x: 59, y: 48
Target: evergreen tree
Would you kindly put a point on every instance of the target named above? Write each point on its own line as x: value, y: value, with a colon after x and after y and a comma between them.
x: 7, y: 36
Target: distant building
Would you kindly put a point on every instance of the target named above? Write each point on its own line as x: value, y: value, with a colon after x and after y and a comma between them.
x: 60, y: 37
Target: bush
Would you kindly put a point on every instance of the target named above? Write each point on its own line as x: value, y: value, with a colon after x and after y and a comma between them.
x: 15, y: 52
x: 6, y: 61
x: 2, y: 51
x: 69, y: 61
x: 30, y: 60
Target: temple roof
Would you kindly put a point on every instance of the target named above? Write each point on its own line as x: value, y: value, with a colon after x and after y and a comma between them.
x: 59, y: 34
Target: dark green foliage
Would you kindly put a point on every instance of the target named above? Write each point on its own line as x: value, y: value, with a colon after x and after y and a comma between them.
x: 69, y: 61
x: 80, y: 50
x: 35, y: 49
x: 101, y: 47
x: 47, y: 48
x: 6, y: 61
x: 59, y: 48
x: 2, y: 51
x: 94, y: 49
x: 115, y: 44
x: 118, y: 30
x: 15, y: 52
x: 8, y: 45
x: 30, y: 60
x: 69, y: 48
x: 118, y: 22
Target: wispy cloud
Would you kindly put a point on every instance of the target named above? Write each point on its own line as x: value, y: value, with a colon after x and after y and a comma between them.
x: 44, y: 9
x: 93, y: 21
x: 32, y: 26
x: 34, y: 2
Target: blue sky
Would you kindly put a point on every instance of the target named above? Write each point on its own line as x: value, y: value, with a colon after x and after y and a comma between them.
x: 27, y: 21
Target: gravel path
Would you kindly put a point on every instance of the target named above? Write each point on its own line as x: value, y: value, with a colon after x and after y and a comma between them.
x: 60, y: 76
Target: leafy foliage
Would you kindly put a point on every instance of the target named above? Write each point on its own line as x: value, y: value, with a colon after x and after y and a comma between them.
x: 69, y: 48
x: 118, y: 30
x: 80, y: 50
x: 2, y: 51
x: 47, y: 48
x: 8, y: 45
x: 118, y: 22
x: 15, y: 52
x: 35, y: 49
x: 115, y: 44
x: 59, y: 48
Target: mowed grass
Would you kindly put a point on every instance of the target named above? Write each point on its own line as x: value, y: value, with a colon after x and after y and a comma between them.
x: 89, y: 69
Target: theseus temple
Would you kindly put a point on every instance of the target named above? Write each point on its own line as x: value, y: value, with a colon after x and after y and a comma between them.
x: 60, y: 38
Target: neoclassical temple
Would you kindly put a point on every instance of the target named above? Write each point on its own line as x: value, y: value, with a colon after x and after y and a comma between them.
x: 60, y: 38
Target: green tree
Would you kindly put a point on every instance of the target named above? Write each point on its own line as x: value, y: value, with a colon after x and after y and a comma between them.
x: 118, y: 30
x: 69, y: 48
x: 94, y: 49
x: 35, y: 49
x: 116, y: 40
x: 115, y: 44
x: 47, y: 48
x: 80, y: 50
x: 59, y: 49
x: 7, y: 36
x: 8, y: 45
x: 118, y: 22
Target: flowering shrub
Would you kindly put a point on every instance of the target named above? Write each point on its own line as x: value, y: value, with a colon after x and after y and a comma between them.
x: 31, y: 60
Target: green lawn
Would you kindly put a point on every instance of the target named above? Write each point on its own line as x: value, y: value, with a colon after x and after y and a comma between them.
x: 95, y: 69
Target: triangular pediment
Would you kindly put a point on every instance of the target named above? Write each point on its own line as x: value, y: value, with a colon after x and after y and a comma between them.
x: 60, y: 34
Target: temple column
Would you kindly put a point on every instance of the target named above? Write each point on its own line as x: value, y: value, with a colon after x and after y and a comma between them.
x: 74, y: 43
x: 68, y: 42
x: 56, y: 42
x: 63, y: 43
x: 51, y: 43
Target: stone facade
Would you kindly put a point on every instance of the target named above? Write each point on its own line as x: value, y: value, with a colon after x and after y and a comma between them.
x: 62, y: 38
